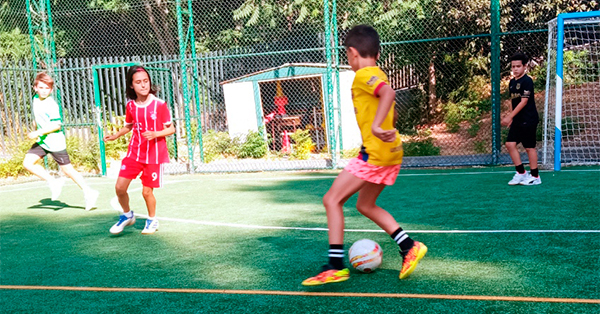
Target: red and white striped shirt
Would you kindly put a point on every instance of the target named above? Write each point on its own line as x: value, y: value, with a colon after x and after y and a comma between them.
x: 154, y: 116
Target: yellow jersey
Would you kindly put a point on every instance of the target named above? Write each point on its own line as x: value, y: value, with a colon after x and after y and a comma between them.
x: 365, y: 87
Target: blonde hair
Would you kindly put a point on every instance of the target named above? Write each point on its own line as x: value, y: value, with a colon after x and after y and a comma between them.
x: 44, y: 78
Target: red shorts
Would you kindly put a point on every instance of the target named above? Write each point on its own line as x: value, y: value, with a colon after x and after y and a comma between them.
x: 151, y: 173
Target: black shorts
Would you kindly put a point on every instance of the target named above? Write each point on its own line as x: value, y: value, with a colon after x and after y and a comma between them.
x: 523, y: 133
x: 61, y: 157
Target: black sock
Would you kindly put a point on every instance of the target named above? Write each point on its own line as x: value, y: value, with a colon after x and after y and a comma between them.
x: 404, y: 241
x: 336, y: 256
x: 520, y: 169
x: 535, y: 172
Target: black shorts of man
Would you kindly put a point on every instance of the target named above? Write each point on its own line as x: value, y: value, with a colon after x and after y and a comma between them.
x: 522, y: 120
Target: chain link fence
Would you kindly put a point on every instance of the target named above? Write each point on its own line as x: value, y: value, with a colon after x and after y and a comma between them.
x: 264, y: 85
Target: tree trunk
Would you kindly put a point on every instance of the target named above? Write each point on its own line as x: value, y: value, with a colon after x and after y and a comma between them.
x: 432, y: 90
x: 161, y: 26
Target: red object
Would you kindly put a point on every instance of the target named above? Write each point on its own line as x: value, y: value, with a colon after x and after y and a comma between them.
x: 269, y: 117
x: 285, y: 143
x: 280, y: 102
x: 151, y: 173
x: 153, y: 117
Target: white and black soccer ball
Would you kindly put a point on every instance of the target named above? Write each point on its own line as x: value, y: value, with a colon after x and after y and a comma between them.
x: 365, y: 255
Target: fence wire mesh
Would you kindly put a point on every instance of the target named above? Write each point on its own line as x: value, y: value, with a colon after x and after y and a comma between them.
x: 578, y: 93
x: 264, y: 85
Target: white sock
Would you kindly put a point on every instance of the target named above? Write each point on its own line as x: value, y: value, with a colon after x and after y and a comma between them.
x: 129, y: 214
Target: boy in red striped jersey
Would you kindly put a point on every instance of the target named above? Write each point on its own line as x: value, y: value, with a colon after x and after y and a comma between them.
x: 150, y: 120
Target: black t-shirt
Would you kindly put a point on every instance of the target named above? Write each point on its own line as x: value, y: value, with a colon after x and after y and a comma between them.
x: 523, y: 88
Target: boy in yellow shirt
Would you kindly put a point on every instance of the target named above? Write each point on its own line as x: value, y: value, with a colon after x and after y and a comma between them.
x: 376, y: 166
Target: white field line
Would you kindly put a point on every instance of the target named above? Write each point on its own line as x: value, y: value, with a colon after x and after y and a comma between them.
x: 246, y: 226
x: 41, y: 184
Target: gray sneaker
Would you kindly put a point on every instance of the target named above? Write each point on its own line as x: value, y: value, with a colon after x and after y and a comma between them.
x: 531, y: 180
x: 518, y: 178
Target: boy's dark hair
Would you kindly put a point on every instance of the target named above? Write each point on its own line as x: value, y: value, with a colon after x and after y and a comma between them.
x: 364, y: 39
x: 519, y: 56
x: 129, y: 81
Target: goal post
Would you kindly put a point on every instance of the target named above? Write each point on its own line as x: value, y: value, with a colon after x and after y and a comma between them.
x: 572, y: 104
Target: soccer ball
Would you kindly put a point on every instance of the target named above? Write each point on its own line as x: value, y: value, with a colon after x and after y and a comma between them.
x: 365, y: 255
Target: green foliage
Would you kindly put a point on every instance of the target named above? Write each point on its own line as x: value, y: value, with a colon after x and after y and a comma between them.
x: 481, y: 147
x: 218, y: 145
x: 254, y: 146
x: 14, y: 45
x: 114, y: 149
x: 13, y: 167
x: 577, y: 68
x: 473, y: 129
x: 465, y: 110
x: 468, y: 103
x: 503, y: 134
x: 420, y: 145
x: 410, y: 111
x: 571, y: 126
x: 453, y: 117
x: 538, y: 74
x: 303, y: 144
x: 84, y: 156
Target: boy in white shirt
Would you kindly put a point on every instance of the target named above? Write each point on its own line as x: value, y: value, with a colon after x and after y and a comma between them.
x: 51, y: 140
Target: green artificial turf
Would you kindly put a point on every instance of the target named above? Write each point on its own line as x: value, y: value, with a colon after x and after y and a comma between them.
x: 216, y: 233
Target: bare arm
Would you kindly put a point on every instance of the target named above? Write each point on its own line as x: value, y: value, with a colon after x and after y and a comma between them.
x: 506, y: 121
x: 386, y: 98
x: 150, y: 135
x: 49, y: 129
x: 124, y: 130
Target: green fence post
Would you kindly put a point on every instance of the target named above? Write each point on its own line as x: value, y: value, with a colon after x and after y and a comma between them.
x: 329, y: 95
x: 99, y: 124
x: 195, y: 73
x: 495, y: 80
x: 258, y: 108
x: 338, y: 106
x: 184, y: 85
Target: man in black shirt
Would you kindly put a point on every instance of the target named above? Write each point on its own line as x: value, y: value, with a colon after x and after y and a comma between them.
x: 523, y: 120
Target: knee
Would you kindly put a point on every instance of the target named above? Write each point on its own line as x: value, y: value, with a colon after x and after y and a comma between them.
x: 147, y: 193
x: 120, y: 190
x: 364, y: 209
x: 510, y: 145
x: 329, y: 201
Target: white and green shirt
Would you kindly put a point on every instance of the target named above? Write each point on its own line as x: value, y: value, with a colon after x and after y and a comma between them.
x: 46, y: 112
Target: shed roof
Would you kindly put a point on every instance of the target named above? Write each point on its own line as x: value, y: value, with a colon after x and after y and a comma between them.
x: 287, y: 70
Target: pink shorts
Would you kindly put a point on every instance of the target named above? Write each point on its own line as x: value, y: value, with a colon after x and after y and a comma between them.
x: 371, y: 173
x: 151, y: 173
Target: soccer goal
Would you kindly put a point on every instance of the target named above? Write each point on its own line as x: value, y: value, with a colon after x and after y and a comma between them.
x: 572, y: 106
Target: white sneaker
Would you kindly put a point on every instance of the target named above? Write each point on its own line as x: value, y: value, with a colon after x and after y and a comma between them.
x: 518, y: 178
x: 151, y: 226
x: 122, y: 223
x: 531, y: 180
x: 56, y: 188
x: 91, y: 196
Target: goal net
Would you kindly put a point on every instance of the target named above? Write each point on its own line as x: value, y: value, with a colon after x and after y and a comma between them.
x: 572, y: 107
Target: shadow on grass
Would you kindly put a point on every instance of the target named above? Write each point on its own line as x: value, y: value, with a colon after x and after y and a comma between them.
x: 47, y: 203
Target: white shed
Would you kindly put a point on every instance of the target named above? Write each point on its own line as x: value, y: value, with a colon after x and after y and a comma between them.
x: 251, y: 103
